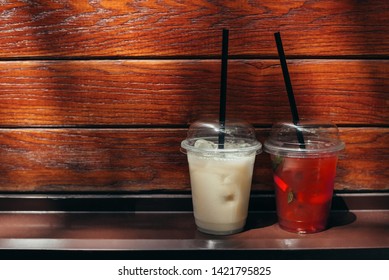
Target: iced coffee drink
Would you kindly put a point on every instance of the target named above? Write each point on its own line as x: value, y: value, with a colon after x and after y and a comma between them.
x: 221, y: 177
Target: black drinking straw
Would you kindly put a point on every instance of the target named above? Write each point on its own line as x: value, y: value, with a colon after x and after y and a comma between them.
x: 289, y: 89
x: 223, y: 90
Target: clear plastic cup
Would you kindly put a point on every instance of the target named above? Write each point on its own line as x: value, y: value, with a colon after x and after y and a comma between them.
x: 220, y: 176
x: 304, y: 173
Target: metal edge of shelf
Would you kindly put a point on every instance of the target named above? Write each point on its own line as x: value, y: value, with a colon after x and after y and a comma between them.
x: 167, y: 202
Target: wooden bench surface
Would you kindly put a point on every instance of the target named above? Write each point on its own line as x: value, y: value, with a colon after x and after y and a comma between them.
x: 164, y: 224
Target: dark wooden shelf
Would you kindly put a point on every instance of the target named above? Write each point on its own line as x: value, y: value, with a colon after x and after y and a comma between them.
x: 165, y: 223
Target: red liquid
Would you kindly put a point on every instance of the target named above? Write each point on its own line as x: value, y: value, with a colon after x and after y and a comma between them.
x: 304, y: 188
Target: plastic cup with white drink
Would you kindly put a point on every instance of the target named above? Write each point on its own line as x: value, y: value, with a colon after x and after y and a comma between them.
x: 221, y: 176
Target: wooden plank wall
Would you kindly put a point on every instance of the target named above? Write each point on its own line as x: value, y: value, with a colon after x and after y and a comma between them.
x: 95, y: 96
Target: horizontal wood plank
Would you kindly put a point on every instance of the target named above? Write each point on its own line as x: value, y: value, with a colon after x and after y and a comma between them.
x: 190, y: 28
x: 176, y: 92
x: 133, y: 160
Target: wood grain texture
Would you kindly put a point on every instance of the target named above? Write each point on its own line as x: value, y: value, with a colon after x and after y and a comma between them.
x: 188, y: 28
x: 176, y: 92
x: 133, y: 160
x: 84, y: 86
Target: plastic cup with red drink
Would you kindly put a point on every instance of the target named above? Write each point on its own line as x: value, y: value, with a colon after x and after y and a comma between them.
x: 304, y: 174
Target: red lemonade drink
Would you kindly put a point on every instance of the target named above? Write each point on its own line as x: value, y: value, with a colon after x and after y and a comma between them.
x: 304, y: 174
x: 304, y: 188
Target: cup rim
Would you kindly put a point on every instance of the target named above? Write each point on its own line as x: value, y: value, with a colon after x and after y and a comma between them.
x: 299, y: 152
x: 186, y: 147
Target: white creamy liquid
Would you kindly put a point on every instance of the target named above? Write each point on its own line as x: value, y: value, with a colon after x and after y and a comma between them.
x: 220, y: 191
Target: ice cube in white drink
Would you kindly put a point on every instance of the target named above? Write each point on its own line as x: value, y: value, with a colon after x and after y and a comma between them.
x: 220, y: 190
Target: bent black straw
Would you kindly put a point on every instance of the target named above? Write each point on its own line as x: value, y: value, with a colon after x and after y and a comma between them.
x: 289, y: 89
x: 223, y: 90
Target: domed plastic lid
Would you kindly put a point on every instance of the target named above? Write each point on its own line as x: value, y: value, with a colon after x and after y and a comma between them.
x: 305, y: 139
x: 203, y: 137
